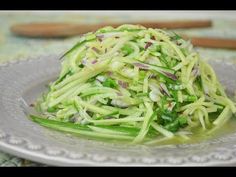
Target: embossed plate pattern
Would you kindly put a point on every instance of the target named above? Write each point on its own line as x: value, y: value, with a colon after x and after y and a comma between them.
x: 19, y: 136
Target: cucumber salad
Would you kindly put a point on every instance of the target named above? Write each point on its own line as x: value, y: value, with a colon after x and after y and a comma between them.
x: 134, y: 84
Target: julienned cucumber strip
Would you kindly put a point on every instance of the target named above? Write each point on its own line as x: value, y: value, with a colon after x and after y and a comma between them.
x: 146, y: 124
x: 63, y: 77
x: 116, y: 121
x: 77, y: 129
x: 149, y: 66
x: 92, y: 107
x: 83, y: 75
x: 48, y: 122
x: 76, y: 46
x: 164, y: 72
x: 132, y: 131
x: 108, y: 115
x: 99, y: 131
x: 97, y: 90
x: 134, y: 83
x: 114, y: 130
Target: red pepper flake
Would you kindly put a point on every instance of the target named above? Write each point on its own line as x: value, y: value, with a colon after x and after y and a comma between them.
x: 172, y: 76
x: 123, y: 84
x: 152, y: 76
x: 207, y: 94
x: 95, y: 49
x: 140, y: 65
x: 164, y: 90
x: 148, y: 44
x: 109, y: 73
x: 94, y: 61
x: 178, y: 43
x: 119, y: 94
x: 100, y: 37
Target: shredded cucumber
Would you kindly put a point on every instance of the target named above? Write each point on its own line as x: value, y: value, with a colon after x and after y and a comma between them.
x: 136, y: 84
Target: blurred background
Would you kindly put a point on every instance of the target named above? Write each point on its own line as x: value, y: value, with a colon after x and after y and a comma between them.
x: 13, y: 47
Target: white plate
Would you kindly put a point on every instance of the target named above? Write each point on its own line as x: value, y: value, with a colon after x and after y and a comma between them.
x: 24, y: 138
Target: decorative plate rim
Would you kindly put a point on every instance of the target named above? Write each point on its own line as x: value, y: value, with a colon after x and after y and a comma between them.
x: 24, y: 148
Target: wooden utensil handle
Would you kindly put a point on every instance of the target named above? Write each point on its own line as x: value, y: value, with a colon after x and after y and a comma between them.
x: 212, y: 42
x: 174, y: 24
x: 160, y: 24
x: 67, y: 29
